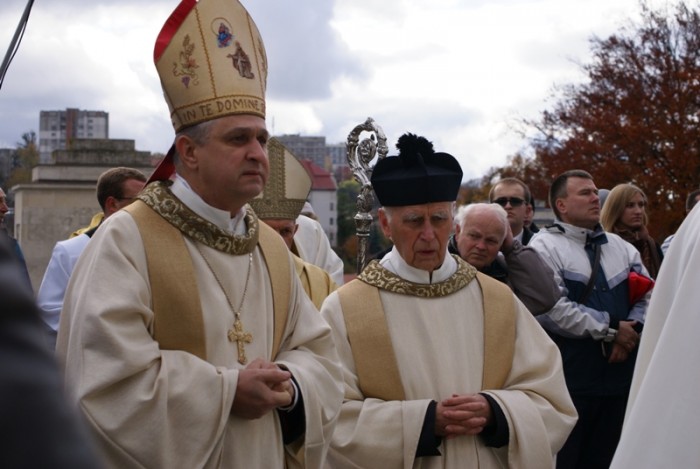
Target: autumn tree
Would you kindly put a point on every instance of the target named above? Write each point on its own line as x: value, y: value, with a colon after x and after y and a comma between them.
x: 635, y: 118
x: 25, y: 157
x: 472, y: 191
x: 528, y: 170
x: 347, y: 238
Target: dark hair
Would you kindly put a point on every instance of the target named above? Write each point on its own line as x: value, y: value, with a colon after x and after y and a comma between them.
x: 111, y: 183
x: 692, y: 200
x: 558, y: 188
x: 513, y: 182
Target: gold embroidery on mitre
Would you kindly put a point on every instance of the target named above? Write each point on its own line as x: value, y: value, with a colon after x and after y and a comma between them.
x: 376, y: 275
x: 186, y: 64
x: 224, y: 36
x: 287, y: 187
x: 160, y: 198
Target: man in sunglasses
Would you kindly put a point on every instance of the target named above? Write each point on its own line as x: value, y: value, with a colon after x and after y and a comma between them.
x: 512, y: 194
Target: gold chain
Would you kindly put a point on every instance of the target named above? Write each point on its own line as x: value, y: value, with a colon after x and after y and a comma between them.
x: 236, y: 333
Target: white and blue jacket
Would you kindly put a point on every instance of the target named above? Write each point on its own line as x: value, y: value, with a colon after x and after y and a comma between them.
x: 578, y: 329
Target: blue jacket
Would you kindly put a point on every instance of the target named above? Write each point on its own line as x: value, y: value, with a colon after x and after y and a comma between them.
x: 578, y: 329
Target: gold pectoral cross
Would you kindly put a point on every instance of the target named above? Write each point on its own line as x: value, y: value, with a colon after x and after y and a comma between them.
x: 241, y: 338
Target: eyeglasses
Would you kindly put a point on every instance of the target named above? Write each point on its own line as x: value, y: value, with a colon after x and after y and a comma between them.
x: 513, y: 201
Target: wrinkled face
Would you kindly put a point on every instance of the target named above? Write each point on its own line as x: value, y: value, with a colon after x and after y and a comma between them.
x: 581, y: 205
x: 285, y: 228
x: 479, y: 238
x: 512, y: 198
x: 230, y: 167
x: 633, y: 215
x: 419, y: 232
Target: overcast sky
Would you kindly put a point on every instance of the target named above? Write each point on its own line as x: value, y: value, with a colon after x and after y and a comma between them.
x: 458, y: 72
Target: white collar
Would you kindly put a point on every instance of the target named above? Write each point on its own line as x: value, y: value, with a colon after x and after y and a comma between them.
x: 221, y: 218
x: 519, y: 236
x: 394, y: 263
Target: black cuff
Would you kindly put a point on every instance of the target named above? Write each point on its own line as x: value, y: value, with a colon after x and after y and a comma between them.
x: 293, y: 422
x: 614, y: 323
x: 496, y: 434
x: 428, y: 442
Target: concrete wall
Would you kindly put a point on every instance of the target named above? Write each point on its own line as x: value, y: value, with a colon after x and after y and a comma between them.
x: 61, y: 197
x: 46, y: 213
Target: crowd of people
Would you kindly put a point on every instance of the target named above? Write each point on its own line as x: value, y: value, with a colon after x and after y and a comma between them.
x: 202, y: 320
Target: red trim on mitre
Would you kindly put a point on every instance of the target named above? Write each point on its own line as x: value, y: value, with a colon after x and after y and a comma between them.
x: 165, y: 169
x: 173, y: 23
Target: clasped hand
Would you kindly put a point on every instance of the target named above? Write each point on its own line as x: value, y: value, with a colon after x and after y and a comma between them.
x: 465, y: 414
x: 625, y: 341
x: 262, y: 387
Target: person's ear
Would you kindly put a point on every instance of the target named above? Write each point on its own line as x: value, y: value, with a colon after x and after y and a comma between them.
x: 111, y: 205
x: 384, y: 223
x: 186, y: 151
x: 561, y: 206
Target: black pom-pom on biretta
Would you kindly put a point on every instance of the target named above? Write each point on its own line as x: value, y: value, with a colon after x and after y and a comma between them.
x: 417, y: 175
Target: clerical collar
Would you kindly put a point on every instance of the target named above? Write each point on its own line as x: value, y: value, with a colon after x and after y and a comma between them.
x: 221, y: 218
x: 394, y: 263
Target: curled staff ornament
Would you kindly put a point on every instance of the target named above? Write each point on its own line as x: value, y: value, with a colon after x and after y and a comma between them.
x: 360, y: 154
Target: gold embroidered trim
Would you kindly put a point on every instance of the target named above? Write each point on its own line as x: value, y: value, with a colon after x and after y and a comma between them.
x: 160, y: 198
x: 376, y: 275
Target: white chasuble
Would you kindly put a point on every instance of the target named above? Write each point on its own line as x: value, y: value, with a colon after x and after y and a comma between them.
x: 156, y: 408
x: 438, y: 342
x: 662, y: 423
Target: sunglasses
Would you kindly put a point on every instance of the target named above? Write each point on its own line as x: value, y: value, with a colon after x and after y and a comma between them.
x: 513, y: 201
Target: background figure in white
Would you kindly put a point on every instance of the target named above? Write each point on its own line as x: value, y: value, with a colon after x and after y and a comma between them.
x: 312, y: 245
x: 662, y: 424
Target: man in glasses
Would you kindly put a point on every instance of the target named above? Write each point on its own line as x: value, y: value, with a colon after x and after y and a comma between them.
x: 512, y: 194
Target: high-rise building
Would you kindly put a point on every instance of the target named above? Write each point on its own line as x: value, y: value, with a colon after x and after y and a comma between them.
x: 307, y: 148
x: 57, y: 129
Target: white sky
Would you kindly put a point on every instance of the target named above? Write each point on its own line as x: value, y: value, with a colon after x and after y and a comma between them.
x: 458, y: 72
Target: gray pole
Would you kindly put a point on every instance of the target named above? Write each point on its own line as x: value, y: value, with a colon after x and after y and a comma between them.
x: 10, y: 51
x: 360, y: 154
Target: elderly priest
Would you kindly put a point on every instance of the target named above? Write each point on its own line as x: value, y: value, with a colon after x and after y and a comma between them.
x: 443, y: 366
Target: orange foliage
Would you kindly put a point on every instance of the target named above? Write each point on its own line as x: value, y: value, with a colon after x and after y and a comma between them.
x: 635, y: 119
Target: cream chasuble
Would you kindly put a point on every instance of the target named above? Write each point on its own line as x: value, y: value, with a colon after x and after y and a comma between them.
x: 315, y: 281
x: 167, y: 408
x: 662, y: 423
x: 438, y: 343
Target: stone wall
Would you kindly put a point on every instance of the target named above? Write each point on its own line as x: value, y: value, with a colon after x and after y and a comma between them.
x: 61, y: 197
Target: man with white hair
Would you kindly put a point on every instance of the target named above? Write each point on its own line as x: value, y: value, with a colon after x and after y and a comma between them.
x: 443, y: 367
x: 483, y: 238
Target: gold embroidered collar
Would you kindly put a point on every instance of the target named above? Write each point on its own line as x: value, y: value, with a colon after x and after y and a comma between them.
x: 160, y: 198
x: 376, y: 275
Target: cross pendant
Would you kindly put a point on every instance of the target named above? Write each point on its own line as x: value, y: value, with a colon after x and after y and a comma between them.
x: 241, y: 338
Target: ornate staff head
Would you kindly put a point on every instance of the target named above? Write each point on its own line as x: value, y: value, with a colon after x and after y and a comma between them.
x: 360, y: 154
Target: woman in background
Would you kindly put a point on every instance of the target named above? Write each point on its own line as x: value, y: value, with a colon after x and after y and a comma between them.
x: 624, y: 214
